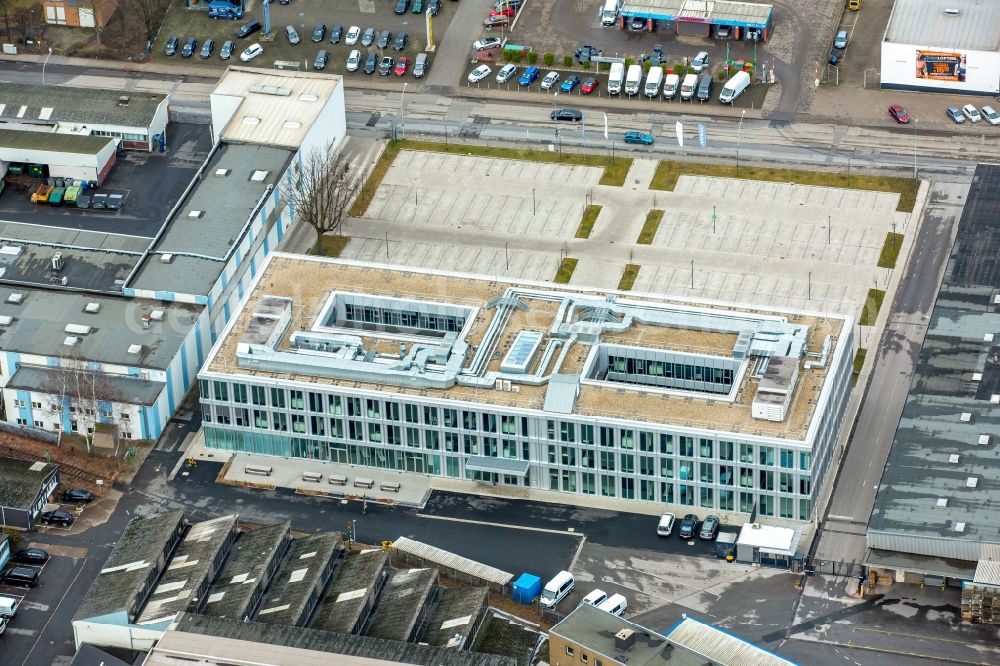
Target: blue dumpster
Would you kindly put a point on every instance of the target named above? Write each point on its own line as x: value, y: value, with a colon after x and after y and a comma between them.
x: 527, y: 588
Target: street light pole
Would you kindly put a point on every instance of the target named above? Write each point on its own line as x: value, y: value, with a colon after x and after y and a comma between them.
x: 50, y: 55
x: 739, y: 136
x: 401, y: 97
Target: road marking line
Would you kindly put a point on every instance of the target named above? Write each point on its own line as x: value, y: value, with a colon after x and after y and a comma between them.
x: 925, y: 638
x: 512, y: 527
x: 69, y: 587
x: 918, y: 655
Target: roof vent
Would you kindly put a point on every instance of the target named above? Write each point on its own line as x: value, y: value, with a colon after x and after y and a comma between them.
x: 135, y: 349
x: 77, y: 329
x: 966, y: 417
x: 984, y: 440
x: 156, y: 315
x: 258, y: 176
x: 952, y: 11
x: 6, y: 320
x: 972, y: 482
x: 92, y: 308
x: 166, y: 258
x: 624, y: 639
x: 16, y: 298
x: 959, y: 527
x: 124, y: 100
x: 942, y: 501
x: 57, y: 261
x: 953, y: 459
x: 70, y: 340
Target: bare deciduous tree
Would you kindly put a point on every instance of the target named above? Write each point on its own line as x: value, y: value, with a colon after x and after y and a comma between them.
x: 150, y: 12
x: 321, y: 189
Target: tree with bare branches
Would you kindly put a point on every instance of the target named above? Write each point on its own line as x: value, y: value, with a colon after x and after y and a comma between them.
x: 321, y: 188
x: 149, y: 12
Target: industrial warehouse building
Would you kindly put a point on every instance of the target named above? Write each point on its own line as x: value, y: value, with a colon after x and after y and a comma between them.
x: 943, y: 46
x: 697, y: 18
x: 624, y: 396
x: 935, y: 519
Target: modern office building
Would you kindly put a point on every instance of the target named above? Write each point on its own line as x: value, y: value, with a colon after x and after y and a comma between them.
x: 617, y: 395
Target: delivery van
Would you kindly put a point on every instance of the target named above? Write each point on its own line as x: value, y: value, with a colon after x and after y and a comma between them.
x: 704, y: 88
x: 616, y: 604
x: 653, y: 80
x: 734, y: 87
x: 615, y: 78
x: 633, y: 79
x: 557, y: 589
x: 688, y: 87
x: 670, y: 86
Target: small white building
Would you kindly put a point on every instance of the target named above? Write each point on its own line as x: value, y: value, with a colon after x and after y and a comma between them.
x: 768, y: 544
x: 945, y: 46
x: 72, y: 156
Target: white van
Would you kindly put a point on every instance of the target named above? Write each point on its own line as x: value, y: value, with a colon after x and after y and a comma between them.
x: 653, y: 80
x: 615, y: 78
x: 670, y: 86
x: 610, y: 12
x: 556, y: 589
x: 595, y: 598
x: 734, y: 87
x: 616, y: 604
x: 633, y: 79
x: 8, y: 606
x: 688, y: 87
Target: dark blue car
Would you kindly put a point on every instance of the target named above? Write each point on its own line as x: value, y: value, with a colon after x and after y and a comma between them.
x: 638, y: 137
x: 528, y: 76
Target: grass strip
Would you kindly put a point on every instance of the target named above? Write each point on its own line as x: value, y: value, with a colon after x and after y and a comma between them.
x: 859, y: 362
x: 890, y: 250
x: 614, y: 172
x: 668, y: 171
x: 565, y: 272
x: 872, y: 305
x: 649, y: 227
x: 590, y: 214
x: 330, y: 246
x: 629, y: 275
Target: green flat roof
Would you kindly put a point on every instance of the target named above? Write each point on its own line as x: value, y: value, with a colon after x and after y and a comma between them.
x: 63, y: 143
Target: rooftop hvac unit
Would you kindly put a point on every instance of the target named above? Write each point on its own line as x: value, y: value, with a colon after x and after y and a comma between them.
x: 166, y: 258
x: 134, y: 349
x: 16, y: 298
x: 92, y: 308
x: 57, y: 261
x: 156, y: 315
x: 124, y: 100
x: 70, y: 340
x: 6, y: 320
x: 77, y: 329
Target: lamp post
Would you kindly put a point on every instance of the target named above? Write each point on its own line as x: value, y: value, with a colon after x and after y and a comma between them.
x: 401, y: 97
x: 739, y: 136
x: 50, y: 55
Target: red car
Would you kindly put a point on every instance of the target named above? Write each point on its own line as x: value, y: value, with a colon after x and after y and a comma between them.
x: 402, y: 65
x: 506, y: 11
x: 589, y: 85
x: 899, y: 114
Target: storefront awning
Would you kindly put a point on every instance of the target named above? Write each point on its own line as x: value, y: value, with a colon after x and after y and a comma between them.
x: 497, y: 465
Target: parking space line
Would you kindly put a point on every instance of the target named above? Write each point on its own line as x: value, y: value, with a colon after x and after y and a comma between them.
x: 491, y: 524
x: 935, y: 639
x: 69, y: 587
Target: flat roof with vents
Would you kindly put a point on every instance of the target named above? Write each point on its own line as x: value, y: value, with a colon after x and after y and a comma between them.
x: 932, y: 24
x: 84, y: 105
x: 945, y: 446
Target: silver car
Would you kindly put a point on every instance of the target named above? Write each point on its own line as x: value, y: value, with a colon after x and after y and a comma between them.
x: 700, y: 61
x: 550, y: 80
x: 293, y: 37
x: 506, y: 73
x: 354, y: 61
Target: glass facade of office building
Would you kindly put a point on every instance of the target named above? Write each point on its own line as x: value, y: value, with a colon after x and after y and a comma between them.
x: 622, y: 459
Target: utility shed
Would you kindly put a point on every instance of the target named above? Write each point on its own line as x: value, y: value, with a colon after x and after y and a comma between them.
x: 248, y: 572
x: 25, y: 487
x: 353, y: 595
x: 193, y: 567
x: 108, y: 613
x: 456, y: 619
x: 767, y: 544
x: 73, y: 156
x: 405, y: 605
x: 300, y: 581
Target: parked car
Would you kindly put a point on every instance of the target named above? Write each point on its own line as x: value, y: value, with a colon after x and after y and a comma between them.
x: 251, y: 52
x: 632, y: 136
x: 401, y: 6
x: 354, y: 61
x: 368, y: 38
x: 292, y: 35
x: 226, y: 52
x: 834, y: 58
x: 400, y: 42
x: 319, y: 33
x: 710, y: 528
x: 353, y: 33
x: 171, y: 47
x: 479, y: 73
x: 505, y: 10
x: 35, y: 556
x: 575, y: 115
x: 206, y: 49
x: 956, y: 115
x: 700, y: 62
x: 434, y: 6
x: 321, y: 59
x: 666, y: 525
x: 570, y: 83
x: 638, y: 24
x: 656, y: 57
x: 371, y: 62
x: 840, y: 41
x: 585, y: 53
x: 971, y: 112
x: 589, y: 85
x: 420, y: 65
x: 20, y: 576
x: 594, y: 597
x: 384, y: 38
x: 78, y: 495
x: 248, y: 29
x: 8, y: 607
x: 506, y: 73
x: 991, y: 116
x: 899, y: 114
x: 528, y: 76
x: 689, y: 525
x: 550, y: 80
x: 402, y: 66
x: 385, y: 65
x: 336, y: 33
x: 418, y: 7
x: 57, y: 517
x: 486, y: 43
x: 189, y: 47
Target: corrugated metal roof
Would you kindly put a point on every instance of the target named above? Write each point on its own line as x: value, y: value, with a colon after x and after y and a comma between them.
x: 721, y: 647
x: 561, y: 394
x: 452, y: 561
x: 988, y: 569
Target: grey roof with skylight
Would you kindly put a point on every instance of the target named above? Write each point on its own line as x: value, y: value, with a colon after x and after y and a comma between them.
x: 242, y: 576
x: 211, y: 220
x: 930, y: 24
x: 20, y: 481
x: 455, y: 616
x: 403, y: 600
x: 938, y: 492
x: 81, y: 144
x: 360, y: 573
x: 35, y: 321
x: 112, y: 388
x: 295, y: 583
x: 71, y: 104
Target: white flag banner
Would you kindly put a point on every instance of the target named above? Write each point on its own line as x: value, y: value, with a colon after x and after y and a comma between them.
x: 680, y: 133
x: 605, y: 127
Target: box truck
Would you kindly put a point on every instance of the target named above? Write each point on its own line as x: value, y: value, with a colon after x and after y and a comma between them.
x: 653, y: 80
x: 734, y: 87
x: 610, y: 11
x: 633, y: 79
x: 670, y: 86
x: 615, y: 78
x: 688, y: 87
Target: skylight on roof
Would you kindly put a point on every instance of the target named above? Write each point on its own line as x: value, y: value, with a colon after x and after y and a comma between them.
x: 196, y: 214
x: 222, y: 172
x: 292, y: 124
x: 46, y: 113
x: 305, y: 97
x: 251, y: 120
x: 258, y: 176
